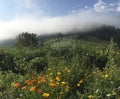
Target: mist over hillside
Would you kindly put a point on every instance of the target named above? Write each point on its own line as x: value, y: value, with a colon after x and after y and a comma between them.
x: 103, y: 32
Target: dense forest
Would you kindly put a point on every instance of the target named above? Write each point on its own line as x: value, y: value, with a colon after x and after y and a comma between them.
x: 76, y: 65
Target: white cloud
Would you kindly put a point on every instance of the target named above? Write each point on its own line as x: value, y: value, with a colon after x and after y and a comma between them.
x: 27, y: 8
x: 102, y: 6
x: 81, y: 20
x: 118, y: 7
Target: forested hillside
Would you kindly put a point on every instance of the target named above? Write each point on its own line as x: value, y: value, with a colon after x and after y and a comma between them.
x: 81, y: 65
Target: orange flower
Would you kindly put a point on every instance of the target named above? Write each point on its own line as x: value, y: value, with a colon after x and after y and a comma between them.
x: 32, y: 88
x: 43, y: 80
x: 39, y: 77
x: 17, y: 85
x: 33, y: 81
x: 28, y: 82
x: 39, y: 91
x: 24, y: 87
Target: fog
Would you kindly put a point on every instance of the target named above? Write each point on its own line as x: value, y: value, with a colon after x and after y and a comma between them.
x: 78, y: 21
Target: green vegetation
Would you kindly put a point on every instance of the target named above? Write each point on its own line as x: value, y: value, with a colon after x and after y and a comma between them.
x: 62, y: 67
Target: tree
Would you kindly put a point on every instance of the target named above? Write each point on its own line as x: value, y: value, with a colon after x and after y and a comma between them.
x: 26, y: 39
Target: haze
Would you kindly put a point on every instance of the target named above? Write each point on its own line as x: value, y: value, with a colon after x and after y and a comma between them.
x: 41, y: 17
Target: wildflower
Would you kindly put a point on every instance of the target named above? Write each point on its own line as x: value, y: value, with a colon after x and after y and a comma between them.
x: 61, y: 93
x: 39, y: 77
x: 57, y: 83
x: 43, y: 80
x: 46, y: 95
x: 68, y: 71
x: 33, y: 81
x: 52, y: 84
x: 51, y: 74
x: 106, y: 76
x: 63, y: 83
x: 114, y: 93
x: 57, y: 78
x: 17, y: 85
x: 28, y: 82
x: 49, y: 69
x: 32, y: 88
x: 51, y: 80
x: 90, y: 96
x: 39, y: 82
x: 80, y: 81
x: 58, y: 73
x: 108, y: 95
x: 24, y: 87
x: 78, y: 85
x: 67, y: 89
x: 39, y: 91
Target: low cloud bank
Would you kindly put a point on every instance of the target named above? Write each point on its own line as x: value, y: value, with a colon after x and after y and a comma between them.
x: 79, y: 21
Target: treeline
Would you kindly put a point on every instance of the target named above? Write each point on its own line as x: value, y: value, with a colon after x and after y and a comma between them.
x: 104, y: 33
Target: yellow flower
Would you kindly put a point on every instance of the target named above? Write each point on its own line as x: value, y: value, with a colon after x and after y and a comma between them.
x: 78, y: 85
x: 49, y: 69
x: 46, y: 95
x: 80, y: 81
x: 51, y: 80
x: 51, y: 74
x: 58, y: 73
x: 52, y: 84
x: 63, y: 83
x: 57, y: 78
x: 67, y: 89
x: 68, y: 71
x: 32, y: 88
x: 108, y: 95
x: 61, y: 93
x: 106, y: 76
x: 90, y: 97
x: 57, y: 83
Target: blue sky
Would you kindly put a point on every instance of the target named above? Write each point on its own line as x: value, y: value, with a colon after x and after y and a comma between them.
x: 41, y: 16
x: 9, y: 9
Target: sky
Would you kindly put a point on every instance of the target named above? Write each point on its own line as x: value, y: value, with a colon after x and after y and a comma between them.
x: 52, y: 16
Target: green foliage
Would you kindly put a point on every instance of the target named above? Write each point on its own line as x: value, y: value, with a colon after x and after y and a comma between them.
x: 61, y: 69
x: 26, y: 39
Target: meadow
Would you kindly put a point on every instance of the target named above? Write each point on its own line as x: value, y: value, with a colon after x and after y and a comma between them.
x: 63, y: 68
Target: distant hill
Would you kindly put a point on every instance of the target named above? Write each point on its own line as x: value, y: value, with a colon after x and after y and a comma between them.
x: 104, y: 33
x: 8, y: 43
